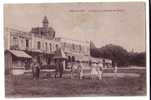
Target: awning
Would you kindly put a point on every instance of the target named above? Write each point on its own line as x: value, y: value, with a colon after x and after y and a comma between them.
x: 20, y: 54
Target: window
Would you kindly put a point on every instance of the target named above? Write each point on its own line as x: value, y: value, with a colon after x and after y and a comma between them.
x: 50, y: 47
x: 38, y: 45
x: 73, y: 46
x: 73, y: 59
x: 69, y: 59
x: 14, y: 41
x: 57, y: 47
x: 64, y: 44
x: 14, y: 44
x: 46, y: 45
x: 22, y: 41
x: 80, y: 47
x: 27, y: 43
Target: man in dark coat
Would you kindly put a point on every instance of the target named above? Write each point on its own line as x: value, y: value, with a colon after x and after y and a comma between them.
x: 35, y: 69
x: 56, y: 68
x: 60, y: 69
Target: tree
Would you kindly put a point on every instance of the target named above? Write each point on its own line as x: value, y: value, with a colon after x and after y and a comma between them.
x: 116, y: 53
x: 138, y: 59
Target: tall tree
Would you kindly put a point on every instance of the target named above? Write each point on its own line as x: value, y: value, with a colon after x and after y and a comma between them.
x: 116, y: 53
x: 138, y: 59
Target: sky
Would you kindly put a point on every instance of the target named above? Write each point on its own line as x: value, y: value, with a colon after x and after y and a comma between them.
x: 121, y: 24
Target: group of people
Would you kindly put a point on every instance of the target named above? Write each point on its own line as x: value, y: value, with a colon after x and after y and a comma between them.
x: 96, y: 70
x: 36, y: 69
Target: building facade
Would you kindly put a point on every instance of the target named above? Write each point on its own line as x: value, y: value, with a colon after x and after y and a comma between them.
x: 41, y: 44
x: 74, y: 48
x: 16, y: 42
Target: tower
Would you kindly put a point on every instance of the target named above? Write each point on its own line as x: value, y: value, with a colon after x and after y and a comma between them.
x: 45, y: 22
x: 47, y: 31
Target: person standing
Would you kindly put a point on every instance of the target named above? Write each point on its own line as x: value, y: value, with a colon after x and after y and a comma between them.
x: 100, y: 70
x: 72, y: 69
x: 56, y: 68
x: 38, y: 70
x: 81, y: 68
x: 94, y: 72
x: 35, y: 69
x: 115, y: 70
x: 60, y: 68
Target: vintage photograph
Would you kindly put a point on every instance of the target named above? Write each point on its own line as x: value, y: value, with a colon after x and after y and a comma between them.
x: 75, y: 49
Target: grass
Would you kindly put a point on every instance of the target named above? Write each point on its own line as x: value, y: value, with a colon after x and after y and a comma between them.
x: 24, y: 86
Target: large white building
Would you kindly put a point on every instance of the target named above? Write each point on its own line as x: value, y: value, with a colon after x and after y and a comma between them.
x: 40, y: 44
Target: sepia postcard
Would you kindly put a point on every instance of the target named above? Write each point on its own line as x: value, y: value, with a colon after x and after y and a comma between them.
x: 75, y: 49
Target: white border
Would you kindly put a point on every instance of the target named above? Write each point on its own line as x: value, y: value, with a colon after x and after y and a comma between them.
x: 2, y: 94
